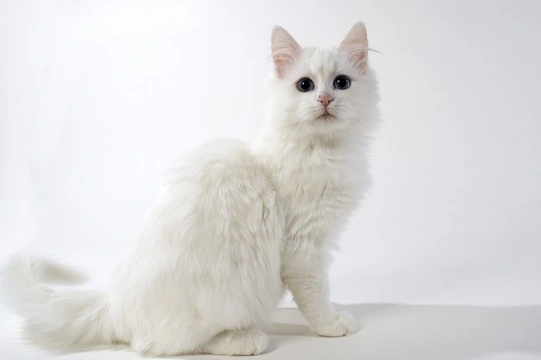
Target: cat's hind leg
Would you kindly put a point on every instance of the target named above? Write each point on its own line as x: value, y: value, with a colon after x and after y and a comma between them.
x: 187, y: 339
x: 237, y: 342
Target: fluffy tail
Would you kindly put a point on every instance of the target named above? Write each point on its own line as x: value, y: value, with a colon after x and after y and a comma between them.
x: 56, y: 318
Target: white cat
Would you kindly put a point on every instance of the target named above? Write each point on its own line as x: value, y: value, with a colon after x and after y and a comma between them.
x: 233, y: 226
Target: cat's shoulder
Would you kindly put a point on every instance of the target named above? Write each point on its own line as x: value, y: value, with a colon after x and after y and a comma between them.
x: 223, y: 161
x: 224, y: 152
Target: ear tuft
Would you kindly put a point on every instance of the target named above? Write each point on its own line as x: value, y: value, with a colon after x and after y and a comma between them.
x: 284, y: 50
x: 355, y: 45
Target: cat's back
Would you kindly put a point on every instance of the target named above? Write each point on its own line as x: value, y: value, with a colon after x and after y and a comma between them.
x: 217, y: 160
x: 223, y: 171
x: 216, y: 201
x: 217, y: 184
x: 215, y: 222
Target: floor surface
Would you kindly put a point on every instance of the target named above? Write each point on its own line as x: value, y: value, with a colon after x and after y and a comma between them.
x: 389, y: 331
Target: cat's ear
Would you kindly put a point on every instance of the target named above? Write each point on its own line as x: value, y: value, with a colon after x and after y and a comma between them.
x: 355, y: 46
x: 284, y: 50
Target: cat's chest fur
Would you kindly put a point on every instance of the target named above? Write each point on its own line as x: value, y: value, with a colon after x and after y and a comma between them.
x: 318, y: 189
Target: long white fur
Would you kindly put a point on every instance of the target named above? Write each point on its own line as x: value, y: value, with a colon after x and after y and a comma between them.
x: 232, y: 227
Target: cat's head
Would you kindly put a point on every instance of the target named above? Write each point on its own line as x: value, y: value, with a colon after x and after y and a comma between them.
x: 320, y: 91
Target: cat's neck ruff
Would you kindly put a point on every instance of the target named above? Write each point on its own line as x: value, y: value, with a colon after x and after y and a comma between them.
x: 285, y: 140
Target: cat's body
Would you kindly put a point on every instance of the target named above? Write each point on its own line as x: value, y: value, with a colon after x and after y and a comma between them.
x: 234, y: 225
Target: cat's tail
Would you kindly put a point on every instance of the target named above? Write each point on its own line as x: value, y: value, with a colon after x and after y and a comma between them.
x: 56, y: 318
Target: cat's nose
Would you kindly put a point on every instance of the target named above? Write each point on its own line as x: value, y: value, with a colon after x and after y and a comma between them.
x: 325, y: 99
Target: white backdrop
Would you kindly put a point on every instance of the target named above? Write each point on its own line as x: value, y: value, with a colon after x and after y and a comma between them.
x: 99, y: 98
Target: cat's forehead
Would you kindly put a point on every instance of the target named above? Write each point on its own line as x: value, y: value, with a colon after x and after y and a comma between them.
x: 322, y: 62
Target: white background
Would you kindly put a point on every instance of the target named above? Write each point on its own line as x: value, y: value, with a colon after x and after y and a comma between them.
x: 98, y: 99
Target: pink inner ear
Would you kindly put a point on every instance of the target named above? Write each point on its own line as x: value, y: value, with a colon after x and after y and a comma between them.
x: 281, y: 65
x: 359, y: 56
x: 355, y: 45
x: 284, y: 51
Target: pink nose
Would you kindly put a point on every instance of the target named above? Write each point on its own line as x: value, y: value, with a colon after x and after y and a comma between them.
x: 325, y: 99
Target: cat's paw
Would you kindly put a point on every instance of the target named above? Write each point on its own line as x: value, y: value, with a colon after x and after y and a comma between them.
x: 343, y: 324
x: 253, y: 344
x: 241, y: 342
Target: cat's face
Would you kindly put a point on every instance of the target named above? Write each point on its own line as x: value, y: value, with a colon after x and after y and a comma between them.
x: 318, y: 90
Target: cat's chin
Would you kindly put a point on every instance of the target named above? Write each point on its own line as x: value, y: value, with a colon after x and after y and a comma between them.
x: 327, y: 124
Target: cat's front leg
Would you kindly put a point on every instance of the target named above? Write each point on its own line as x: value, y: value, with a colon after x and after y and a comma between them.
x: 306, y: 277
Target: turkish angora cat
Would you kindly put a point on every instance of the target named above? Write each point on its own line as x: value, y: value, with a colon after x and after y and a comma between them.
x: 232, y: 227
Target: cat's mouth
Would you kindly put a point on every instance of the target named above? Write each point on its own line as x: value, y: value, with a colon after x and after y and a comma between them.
x: 326, y: 115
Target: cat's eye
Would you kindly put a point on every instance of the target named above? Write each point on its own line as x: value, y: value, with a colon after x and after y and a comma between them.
x: 342, y: 82
x: 305, y: 85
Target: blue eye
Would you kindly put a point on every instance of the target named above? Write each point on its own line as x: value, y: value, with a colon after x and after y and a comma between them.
x: 305, y: 85
x: 342, y: 82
